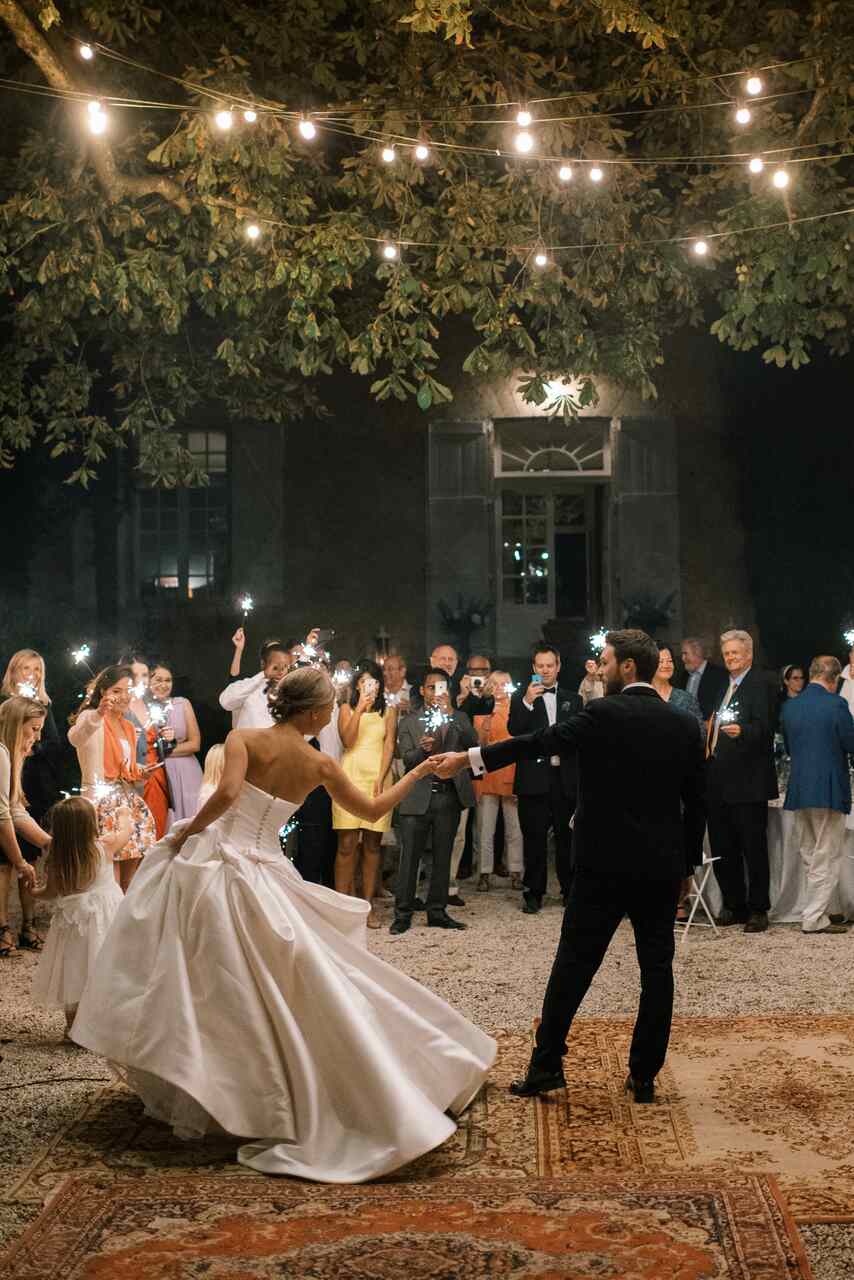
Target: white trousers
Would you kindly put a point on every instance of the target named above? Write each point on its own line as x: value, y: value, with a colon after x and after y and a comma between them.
x: 457, y: 851
x: 487, y: 817
x: 820, y: 834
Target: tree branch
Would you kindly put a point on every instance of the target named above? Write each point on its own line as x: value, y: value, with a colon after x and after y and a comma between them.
x: 115, y: 185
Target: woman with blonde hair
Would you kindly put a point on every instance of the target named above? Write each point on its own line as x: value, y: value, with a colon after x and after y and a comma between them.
x: 106, y: 746
x: 21, y: 720
x: 235, y: 994
x: 25, y: 677
x: 214, y: 765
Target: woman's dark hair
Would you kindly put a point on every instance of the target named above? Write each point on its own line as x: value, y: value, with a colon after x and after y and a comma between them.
x: 367, y: 667
x: 635, y: 644
x: 268, y: 648
x: 786, y: 673
x: 103, y: 681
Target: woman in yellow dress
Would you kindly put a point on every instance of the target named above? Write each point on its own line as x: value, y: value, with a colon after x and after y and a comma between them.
x: 368, y: 731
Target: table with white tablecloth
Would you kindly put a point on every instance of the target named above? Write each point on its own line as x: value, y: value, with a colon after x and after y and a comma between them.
x: 788, y: 878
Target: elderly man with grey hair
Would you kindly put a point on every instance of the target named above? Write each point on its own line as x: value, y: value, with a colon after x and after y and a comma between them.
x: 819, y: 733
x: 740, y: 780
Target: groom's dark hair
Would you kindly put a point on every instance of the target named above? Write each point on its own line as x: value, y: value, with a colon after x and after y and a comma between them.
x: 635, y: 644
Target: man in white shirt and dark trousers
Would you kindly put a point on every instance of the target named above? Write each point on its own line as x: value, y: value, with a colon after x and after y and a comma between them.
x: 546, y: 787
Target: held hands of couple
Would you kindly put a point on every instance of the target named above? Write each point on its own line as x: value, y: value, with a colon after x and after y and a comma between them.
x: 448, y: 764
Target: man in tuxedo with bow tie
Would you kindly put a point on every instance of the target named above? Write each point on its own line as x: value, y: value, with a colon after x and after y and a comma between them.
x: 640, y: 762
x: 546, y: 787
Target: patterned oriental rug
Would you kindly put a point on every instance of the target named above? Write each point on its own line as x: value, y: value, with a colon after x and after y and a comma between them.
x: 582, y: 1228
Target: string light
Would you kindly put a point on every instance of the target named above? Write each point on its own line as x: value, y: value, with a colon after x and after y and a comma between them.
x: 253, y: 231
x: 95, y: 107
x: 757, y: 164
x: 780, y: 178
x: 524, y: 142
x: 97, y: 118
x: 754, y: 86
x: 86, y: 52
x: 596, y: 174
x: 700, y: 248
x: 390, y: 251
x: 523, y: 118
x: 307, y: 129
x: 565, y: 173
x: 422, y: 152
x: 541, y: 259
x: 250, y: 116
x: 224, y: 119
x: 389, y: 155
x: 743, y: 116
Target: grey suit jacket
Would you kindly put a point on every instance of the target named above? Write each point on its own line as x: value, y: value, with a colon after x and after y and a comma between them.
x: 458, y: 735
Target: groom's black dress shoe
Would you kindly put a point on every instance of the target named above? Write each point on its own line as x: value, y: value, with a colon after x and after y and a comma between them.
x: 642, y: 1090
x: 531, y: 904
x: 444, y: 921
x: 399, y: 926
x: 536, y: 1082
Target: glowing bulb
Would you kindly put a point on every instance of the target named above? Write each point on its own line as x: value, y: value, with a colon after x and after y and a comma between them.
x: 754, y: 86
x: 564, y: 172
x: 253, y: 231
x: 780, y: 178
x: 224, y: 119
x: 523, y: 118
x: 250, y: 116
x: 700, y: 248
x: 757, y: 164
x: 421, y: 152
x: 86, y: 52
x: 596, y: 174
x: 389, y: 155
x: 95, y: 107
x: 307, y: 130
x: 97, y: 122
x: 540, y: 259
x: 524, y: 142
x: 742, y: 115
x: 390, y: 251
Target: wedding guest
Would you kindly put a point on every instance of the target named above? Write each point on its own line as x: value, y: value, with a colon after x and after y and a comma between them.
x: 472, y: 698
x: 445, y: 658
x: 21, y: 721
x: 398, y: 690
x: 592, y: 686
x: 367, y: 728
x: 740, y: 780
x: 701, y: 677
x: 432, y: 807
x: 81, y: 883
x: 792, y: 681
x: 105, y: 742
x: 183, y: 771
x: 494, y: 791
x: 25, y: 675
x: 342, y: 678
x: 681, y: 699
x: 818, y: 730
x: 248, y: 700
x: 137, y: 708
x: 214, y: 764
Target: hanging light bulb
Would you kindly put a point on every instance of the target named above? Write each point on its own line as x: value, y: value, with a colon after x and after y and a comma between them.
x: 541, y: 259
x: 422, y: 152
x: 524, y: 142
x: 742, y: 116
x: 390, y: 251
x: 253, y: 231
x: 780, y: 178
x: 565, y: 173
x: 389, y: 155
x: 753, y: 86
x: 307, y: 130
x: 700, y: 248
x: 596, y: 174
x: 757, y: 164
x: 224, y: 120
x: 250, y: 116
x: 86, y: 52
x: 97, y: 119
x: 95, y: 108
x: 523, y: 118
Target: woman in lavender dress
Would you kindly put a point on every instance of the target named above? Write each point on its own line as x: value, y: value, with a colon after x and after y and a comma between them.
x: 183, y: 771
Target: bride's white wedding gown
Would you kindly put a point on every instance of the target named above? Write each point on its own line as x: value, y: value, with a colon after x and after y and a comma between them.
x: 236, y: 996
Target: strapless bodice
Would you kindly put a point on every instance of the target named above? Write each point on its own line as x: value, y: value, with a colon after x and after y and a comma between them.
x: 255, y: 820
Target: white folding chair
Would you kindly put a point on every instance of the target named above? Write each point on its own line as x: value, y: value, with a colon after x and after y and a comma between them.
x: 698, y: 899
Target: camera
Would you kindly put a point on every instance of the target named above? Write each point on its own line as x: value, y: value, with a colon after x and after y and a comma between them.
x: 477, y: 682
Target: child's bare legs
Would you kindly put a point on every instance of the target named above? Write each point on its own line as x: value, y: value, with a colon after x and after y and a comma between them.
x: 125, y: 871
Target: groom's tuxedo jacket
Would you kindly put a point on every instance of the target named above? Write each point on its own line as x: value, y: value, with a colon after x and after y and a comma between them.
x: 639, y: 761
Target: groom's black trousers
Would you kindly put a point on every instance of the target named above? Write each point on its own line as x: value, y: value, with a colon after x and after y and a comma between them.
x: 597, y: 904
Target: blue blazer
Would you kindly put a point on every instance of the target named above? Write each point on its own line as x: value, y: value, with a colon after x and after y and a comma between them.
x: 819, y: 733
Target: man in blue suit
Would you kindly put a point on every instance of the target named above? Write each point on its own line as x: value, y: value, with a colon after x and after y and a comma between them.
x: 819, y: 734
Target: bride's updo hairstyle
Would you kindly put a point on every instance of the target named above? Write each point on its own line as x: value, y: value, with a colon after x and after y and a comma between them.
x: 306, y: 689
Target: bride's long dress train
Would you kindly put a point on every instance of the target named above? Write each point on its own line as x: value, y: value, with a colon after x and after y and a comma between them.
x: 234, y: 995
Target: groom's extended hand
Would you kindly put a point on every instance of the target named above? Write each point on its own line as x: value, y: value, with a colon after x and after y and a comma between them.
x: 450, y: 763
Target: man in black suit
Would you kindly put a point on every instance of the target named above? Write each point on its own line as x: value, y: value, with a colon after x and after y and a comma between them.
x: 639, y: 763
x: 706, y: 680
x: 740, y: 780
x: 546, y: 786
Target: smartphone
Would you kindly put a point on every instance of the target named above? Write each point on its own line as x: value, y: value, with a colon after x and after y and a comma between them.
x: 536, y: 679
x: 440, y: 688
x: 324, y: 635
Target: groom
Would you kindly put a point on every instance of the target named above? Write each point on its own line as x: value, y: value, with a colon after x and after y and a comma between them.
x: 639, y: 762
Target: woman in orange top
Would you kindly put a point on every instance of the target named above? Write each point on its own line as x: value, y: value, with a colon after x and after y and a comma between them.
x: 495, y: 789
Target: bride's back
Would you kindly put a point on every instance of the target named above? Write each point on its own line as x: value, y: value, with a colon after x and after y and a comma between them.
x: 282, y: 763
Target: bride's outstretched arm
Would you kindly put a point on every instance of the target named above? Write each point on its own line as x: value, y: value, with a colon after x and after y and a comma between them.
x: 356, y: 802
x: 233, y: 775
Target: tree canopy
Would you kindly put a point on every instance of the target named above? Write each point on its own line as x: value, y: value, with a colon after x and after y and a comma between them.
x: 134, y: 296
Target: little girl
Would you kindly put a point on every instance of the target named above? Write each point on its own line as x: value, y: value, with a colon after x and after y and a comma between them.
x: 214, y: 765
x: 81, y: 881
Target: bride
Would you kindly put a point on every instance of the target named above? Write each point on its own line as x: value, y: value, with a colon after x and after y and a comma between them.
x: 233, y: 995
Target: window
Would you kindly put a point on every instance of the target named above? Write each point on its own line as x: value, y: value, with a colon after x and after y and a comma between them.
x: 525, y: 551
x: 553, y: 447
x: 183, y: 534
x: 546, y: 550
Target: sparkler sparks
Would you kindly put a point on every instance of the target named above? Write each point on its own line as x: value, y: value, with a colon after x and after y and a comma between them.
x: 247, y: 604
x: 158, y: 713
x: 102, y: 790
x: 510, y: 688
x: 81, y: 656
x: 848, y: 637
x: 729, y: 715
x: 26, y: 689
x: 435, y: 719
x: 598, y: 640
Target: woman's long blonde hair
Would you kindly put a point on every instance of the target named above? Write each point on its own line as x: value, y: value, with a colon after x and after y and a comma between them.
x: 214, y: 765
x: 15, y: 712
x: 74, y: 855
x: 9, y: 687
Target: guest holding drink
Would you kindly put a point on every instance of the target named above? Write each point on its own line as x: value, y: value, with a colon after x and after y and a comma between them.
x: 25, y: 676
x: 494, y: 791
x: 21, y: 721
x: 183, y: 771
x: 368, y: 732
x: 105, y: 742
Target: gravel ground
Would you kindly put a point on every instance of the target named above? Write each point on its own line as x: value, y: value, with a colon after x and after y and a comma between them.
x: 495, y: 973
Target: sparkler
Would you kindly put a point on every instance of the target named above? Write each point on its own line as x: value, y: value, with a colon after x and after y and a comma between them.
x: 80, y: 657
x: 26, y: 689
x: 158, y: 713
x: 510, y: 688
x: 598, y: 640
x: 435, y: 719
x: 247, y: 604
x: 342, y: 677
x: 138, y: 690
x: 729, y: 715
x: 848, y: 637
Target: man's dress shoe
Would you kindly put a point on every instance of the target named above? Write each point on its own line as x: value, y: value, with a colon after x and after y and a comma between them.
x: 531, y: 905
x: 444, y: 921
x: 536, y: 1082
x: 641, y: 1090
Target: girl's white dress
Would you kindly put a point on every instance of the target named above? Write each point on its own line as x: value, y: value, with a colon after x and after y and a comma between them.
x: 78, y: 928
x: 235, y: 995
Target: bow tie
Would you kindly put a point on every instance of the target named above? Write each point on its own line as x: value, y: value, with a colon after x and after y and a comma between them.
x: 549, y: 691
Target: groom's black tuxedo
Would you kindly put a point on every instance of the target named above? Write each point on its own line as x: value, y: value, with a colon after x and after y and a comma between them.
x: 640, y: 764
